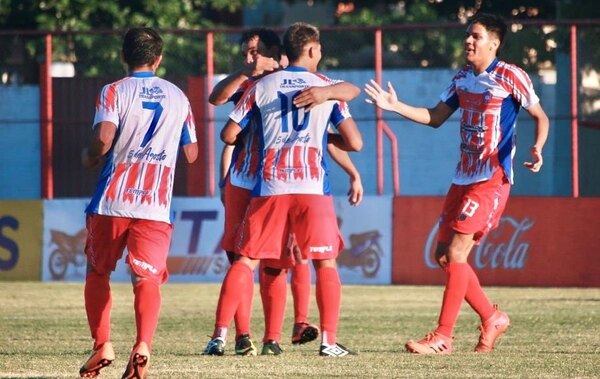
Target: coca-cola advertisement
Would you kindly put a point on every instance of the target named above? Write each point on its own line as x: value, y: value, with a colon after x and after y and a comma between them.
x: 538, y: 242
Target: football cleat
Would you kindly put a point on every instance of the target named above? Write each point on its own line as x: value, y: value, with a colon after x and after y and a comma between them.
x: 336, y: 350
x: 271, y: 348
x: 215, y: 346
x: 137, y: 367
x: 100, y: 358
x: 304, y: 332
x: 491, y: 330
x: 245, y: 346
x: 433, y: 343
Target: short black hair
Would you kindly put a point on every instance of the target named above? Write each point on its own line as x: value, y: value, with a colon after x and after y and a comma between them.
x: 265, y: 35
x: 492, y: 23
x: 141, y: 46
x: 296, y: 37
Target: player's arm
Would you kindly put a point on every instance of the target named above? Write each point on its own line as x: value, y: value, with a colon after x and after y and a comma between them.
x: 191, y: 152
x: 542, y: 126
x: 342, y: 158
x: 230, y: 132
x: 228, y: 86
x: 226, y: 155
x: 388, y: 101
x: 349, y: 137
x: 310, y: 97
x: 104, y: 134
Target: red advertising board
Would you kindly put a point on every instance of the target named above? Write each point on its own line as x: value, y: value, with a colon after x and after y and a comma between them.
x: 539, y: 242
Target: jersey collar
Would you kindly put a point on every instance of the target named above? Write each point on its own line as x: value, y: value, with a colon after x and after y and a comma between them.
x: 296, y: 69
x: 142, y: 74
x: 492, y: 65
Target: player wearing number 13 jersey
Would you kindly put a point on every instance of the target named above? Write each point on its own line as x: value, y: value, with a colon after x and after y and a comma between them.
x: 141, y: 122
x: 489, y: 93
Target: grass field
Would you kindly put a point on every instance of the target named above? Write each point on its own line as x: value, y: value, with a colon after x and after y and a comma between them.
x: 554, y: 334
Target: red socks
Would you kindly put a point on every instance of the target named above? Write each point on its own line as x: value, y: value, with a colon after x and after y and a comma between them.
x: 457, y: 282
x: 273, y: 291
x: 237, y: 290
x: 98, y: 303
x: 462, y: 283
x: 147, y: 309
x: 477, y: 299
x: 300, y: 284
x: 329, y: 301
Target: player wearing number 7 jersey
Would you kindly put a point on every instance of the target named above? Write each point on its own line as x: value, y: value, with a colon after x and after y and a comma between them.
x: 292, y: 190
x: 141, y: 122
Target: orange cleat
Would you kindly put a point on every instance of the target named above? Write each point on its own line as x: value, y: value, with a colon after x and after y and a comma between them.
x: 304, y: 332
x: 137, y: 367
x: 491, y: 330
x: 100, y: 358
x: 433, y: 343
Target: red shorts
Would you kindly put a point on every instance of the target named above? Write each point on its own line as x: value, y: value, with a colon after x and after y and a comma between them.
x: 287, y: 259
x: 474, y: 208
x: 311, y: 218
x: 147, y: 243
x: 236, y: 201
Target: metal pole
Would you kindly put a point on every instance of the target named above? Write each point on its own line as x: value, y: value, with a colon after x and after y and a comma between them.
x: 574, y: 114
x: 378, y: 111
x: 46, y: 124
x: 210, y: 135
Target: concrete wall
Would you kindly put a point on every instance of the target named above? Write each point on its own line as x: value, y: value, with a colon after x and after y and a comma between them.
x: 19, y: 142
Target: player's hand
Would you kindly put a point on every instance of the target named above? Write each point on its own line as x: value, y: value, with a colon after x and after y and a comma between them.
x: 310, y: 97
x: 536, y: 160
x: 379, y: 97
x: 261, y: 65
x: 355, y: 194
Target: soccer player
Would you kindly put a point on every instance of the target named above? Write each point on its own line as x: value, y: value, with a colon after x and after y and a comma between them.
x: 141, y: 122
x: 292, y: 191
x: 261, y: 49
x: 489, y: 93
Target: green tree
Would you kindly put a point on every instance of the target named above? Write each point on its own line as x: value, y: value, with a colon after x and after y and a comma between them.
x: 98, y: 54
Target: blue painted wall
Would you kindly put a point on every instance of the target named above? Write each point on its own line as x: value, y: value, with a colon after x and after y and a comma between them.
x: 19, y: 142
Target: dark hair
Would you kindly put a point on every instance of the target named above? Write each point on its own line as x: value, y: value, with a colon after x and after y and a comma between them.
x: 492, y: 23
x: 141, y: 46
x: 268, y: 37
x: 296, y: 37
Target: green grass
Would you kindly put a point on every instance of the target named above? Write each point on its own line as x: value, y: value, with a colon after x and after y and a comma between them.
x: 554, y: 334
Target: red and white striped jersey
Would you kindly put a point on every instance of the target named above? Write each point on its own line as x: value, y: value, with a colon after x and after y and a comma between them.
x: 153, y: 119
x: 291, y: 142
x: 244, y: 159
x: 490, y: 104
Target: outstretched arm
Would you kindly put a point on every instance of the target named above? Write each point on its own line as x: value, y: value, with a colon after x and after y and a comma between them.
x: 342, y: 158
x: 542, y: 126
x: 387, y: 100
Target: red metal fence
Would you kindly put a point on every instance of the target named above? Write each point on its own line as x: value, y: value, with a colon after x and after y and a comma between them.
x: 206, y: 52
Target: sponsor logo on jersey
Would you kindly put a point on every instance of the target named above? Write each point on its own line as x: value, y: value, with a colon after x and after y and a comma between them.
x: 154, y: 93
x: 293, y: 83
x: 147, y: 154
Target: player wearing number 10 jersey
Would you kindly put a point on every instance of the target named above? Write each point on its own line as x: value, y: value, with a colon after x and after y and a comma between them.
x: 292, y: 186
x: 141, y: 121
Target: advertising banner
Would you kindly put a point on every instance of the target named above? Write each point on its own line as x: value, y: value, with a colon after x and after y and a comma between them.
x: 20, y: 242
x: 196, y: 255
x: 539, y: 242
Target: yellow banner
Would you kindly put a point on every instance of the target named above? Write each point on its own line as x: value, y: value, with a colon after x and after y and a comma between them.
x: 21, y: 240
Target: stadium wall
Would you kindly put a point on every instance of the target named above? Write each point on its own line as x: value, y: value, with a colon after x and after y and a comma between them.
x: 427, y: 157
x: 544, y: 241
x: 539, y: 242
